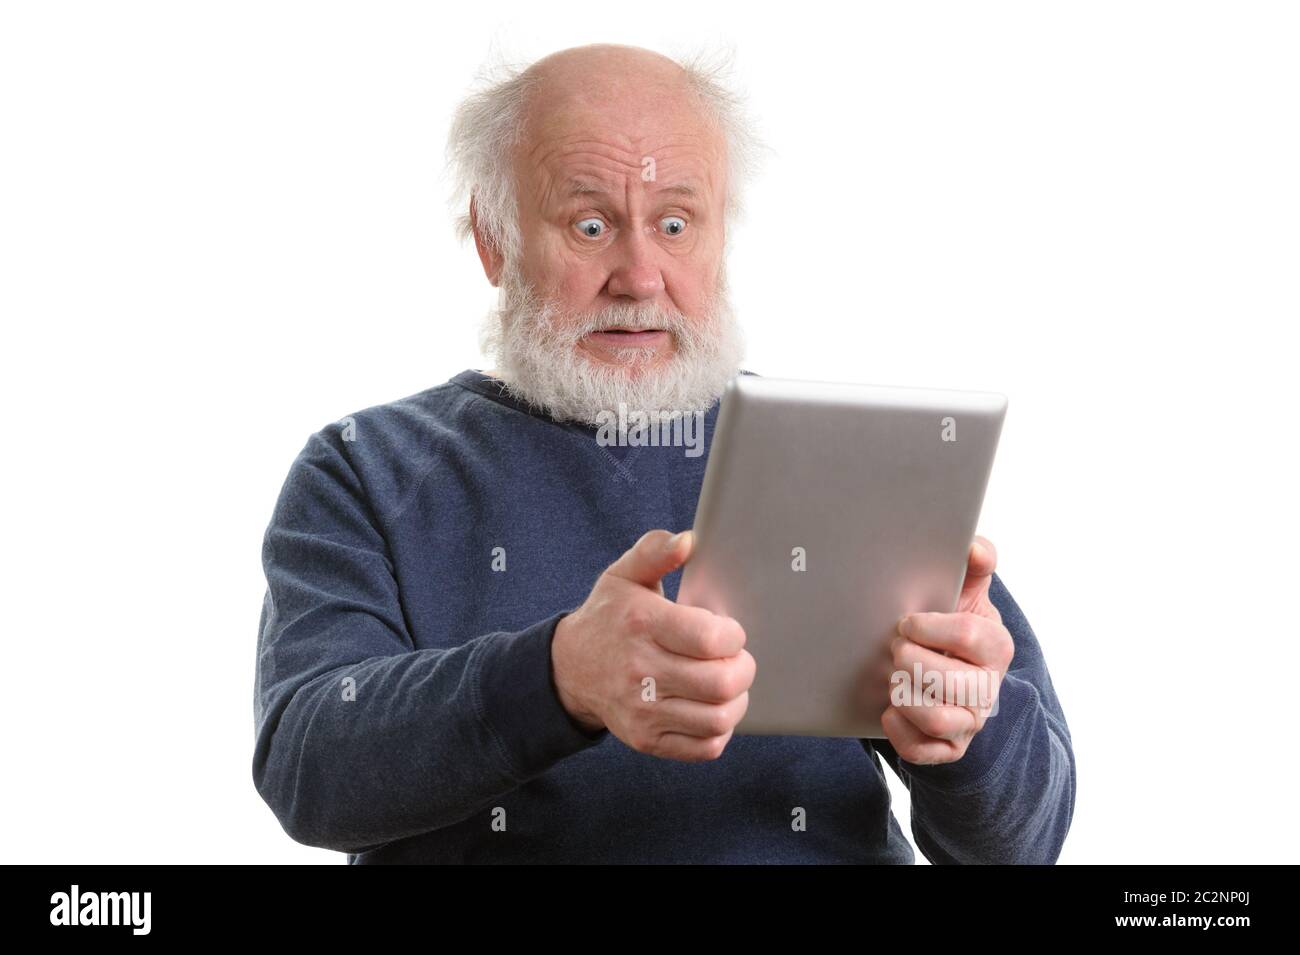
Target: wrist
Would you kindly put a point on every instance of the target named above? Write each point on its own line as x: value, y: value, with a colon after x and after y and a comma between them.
x: 561, y: 673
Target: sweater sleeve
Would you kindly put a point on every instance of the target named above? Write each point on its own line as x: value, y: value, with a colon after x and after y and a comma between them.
x: 1010, y: 798
x: 360, y: 738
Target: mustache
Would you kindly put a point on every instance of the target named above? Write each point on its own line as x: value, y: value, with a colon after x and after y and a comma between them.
x: 631, y: 318
x: 523, y: 307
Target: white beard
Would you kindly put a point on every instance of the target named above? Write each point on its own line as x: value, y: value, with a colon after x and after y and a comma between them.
x: 534, y: 343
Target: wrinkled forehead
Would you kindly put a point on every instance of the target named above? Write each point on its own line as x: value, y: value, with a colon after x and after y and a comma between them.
x: 609, y: 133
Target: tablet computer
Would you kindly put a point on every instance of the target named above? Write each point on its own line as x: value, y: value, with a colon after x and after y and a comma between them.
x: 827, y: 512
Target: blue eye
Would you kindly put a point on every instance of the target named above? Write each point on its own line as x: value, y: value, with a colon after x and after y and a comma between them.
x: 591, y: 228
x: 676, y: 224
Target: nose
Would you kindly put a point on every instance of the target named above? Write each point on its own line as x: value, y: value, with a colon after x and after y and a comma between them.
x: 635, y: 274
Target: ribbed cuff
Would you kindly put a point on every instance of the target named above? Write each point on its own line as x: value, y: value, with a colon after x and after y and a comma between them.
x: 518, y: 702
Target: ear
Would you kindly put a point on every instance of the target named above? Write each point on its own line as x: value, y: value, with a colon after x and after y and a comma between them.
x: 488, y: 253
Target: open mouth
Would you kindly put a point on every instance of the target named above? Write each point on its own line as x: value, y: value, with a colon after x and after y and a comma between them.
x: 621, y: 338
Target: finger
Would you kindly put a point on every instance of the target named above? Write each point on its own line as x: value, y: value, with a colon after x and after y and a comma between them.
x: 691, y: 749
x: 964, y: 635
x: 914, y: 746
x: 940, y: 721
x: 708, y: 681
x: 699, y: 720
x: 655, y: 554
x: 698, y: 633
x: 944, y: 678
x: 981, y: 560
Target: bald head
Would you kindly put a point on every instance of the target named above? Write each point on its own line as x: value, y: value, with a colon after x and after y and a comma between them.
x: 608, y: 77
x: 620, y: 105
x: 601, y: 67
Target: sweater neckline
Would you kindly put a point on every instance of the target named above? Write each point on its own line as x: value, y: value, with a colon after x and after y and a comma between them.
x: 473, y: 379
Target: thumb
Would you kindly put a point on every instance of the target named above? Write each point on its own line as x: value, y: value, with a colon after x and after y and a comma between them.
x: 657, y: 553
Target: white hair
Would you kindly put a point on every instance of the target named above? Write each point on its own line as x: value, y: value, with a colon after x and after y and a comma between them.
x: 489, y: 123
x: 535, y: 343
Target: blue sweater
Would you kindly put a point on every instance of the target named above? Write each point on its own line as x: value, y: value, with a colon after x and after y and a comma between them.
x: 418, y: 559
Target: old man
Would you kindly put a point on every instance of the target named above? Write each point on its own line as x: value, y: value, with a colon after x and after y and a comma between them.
x: 466, y: 587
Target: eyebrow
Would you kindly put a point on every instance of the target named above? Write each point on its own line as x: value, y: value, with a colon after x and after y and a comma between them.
x: 586, y: 187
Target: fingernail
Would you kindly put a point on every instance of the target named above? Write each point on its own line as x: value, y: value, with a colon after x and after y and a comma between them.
x: 905, y: 625
x: 675, y: 540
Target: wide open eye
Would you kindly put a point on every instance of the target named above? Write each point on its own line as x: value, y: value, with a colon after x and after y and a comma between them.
x: 591, y: 228
x: 672, y: 225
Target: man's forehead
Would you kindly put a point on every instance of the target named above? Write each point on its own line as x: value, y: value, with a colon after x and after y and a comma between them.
x: 584, y: 155
x: 633, y: 128
x: 574, y: 187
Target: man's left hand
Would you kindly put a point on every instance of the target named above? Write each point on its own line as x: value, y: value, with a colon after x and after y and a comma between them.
x: 971, y: 649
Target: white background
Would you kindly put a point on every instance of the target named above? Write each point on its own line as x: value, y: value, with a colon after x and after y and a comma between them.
x: 223, y: 226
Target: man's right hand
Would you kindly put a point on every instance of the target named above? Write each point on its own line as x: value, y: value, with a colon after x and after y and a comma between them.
x: 627, y: 632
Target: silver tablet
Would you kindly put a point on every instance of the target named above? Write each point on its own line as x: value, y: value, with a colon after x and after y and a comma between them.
x: 827, y: 512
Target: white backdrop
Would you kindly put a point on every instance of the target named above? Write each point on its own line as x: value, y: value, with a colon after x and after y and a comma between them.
x: 223, y: 226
